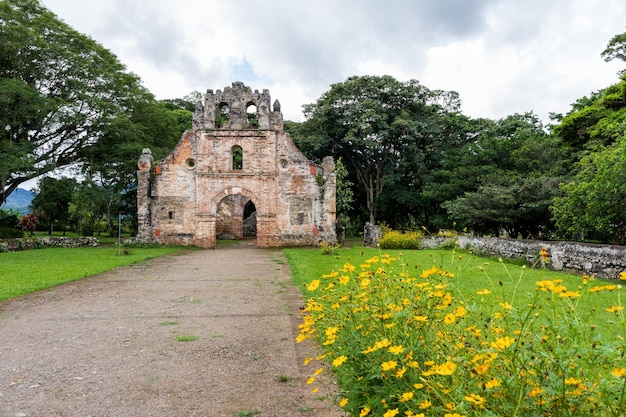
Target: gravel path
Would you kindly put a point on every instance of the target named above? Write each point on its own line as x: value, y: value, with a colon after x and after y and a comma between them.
x: 116, y: 344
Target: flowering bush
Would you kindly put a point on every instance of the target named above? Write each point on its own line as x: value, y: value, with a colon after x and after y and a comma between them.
x: 412, y: 345
x: 393, y: 239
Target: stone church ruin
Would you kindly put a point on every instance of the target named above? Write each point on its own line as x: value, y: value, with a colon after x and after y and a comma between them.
x: 236, y: 173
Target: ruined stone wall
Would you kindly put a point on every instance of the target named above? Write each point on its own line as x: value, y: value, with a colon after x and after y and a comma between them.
x: 605, y: 261
x: 12, y: 245
x: 192, y: 193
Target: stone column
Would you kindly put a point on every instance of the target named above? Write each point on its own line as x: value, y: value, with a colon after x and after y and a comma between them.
x: 144, y: 221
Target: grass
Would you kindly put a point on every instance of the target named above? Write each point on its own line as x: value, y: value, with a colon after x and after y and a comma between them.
x: 473, y: 273
x: 29, y: 271
x: 444, y: 332
x: 247, y: 412
x: 187, y: 338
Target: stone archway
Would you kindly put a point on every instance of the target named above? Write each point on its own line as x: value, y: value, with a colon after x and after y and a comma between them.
x: 230, y: 216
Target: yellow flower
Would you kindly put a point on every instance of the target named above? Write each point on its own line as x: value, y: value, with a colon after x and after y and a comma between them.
x: 389, y: 365
x: 343, y: 402
x: 344, y: 279
x: 365, y: 282
x: 348, y: 267
x: 318, y: 371
x: 446, y: 368
x: 307, y: 361
x: 314, y: 390
x: 622, y: 275
x: 618, y: 372
x: 476, y: 400
x: 535, y: 391
x: 339, y: 360
x: 427, y: 273
x: 423, y: 319
x: 406, y: 397
x: 453, y: 415
x: 396, y: 350
x: 331, y: 331
x: 310, y: 380
x: 614, y: 309
x: 331, y: 275
x: 391, y: 413
x: 460, y: 311
x: 502, y: 342
x: 401, y: 372
x: 313, y: 285
x: 484, y: 291
x: 569, y: 294
x: 449, y: 318
x: 572, y: 381
x: 425, y: 404
x: 481, y: 368
x: 493, y: 383
x: 365, y: 411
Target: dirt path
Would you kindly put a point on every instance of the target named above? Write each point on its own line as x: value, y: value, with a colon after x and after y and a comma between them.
x: 109, y: 345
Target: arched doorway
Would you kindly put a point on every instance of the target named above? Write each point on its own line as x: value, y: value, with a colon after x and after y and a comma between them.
x: 249, y: 220
x: 235, y: 218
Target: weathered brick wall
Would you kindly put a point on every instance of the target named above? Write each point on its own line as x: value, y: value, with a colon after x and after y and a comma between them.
x: 192, y: 191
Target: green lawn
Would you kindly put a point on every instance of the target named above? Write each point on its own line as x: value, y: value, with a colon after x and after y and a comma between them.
x: 443, y: 332
x: 33, y: 270
x: 472, y: 273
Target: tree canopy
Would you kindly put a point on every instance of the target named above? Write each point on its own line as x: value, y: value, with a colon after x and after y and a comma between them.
x: 380, y: 126
x: 60, y: 92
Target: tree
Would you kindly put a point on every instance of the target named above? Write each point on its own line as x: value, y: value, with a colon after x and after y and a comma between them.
x: 53, y: 200
x: 594, y: 202
x: 377, y: 125
x: 616, y: 49
x: 59, y: 92
x: 503, y: 179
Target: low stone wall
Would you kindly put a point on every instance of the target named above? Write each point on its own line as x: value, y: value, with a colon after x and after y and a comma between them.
x: 11, y: 245
x: 605, y: 261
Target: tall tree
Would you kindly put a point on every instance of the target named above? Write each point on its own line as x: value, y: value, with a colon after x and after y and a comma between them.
x: 373, y: 122
x: 53, y: 200
x: 59, y: 90
x: 504, y: 178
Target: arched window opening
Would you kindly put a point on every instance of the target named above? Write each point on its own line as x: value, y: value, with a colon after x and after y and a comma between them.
x: 252, y: 118
x: 222, y: 116
x: 237, y: 154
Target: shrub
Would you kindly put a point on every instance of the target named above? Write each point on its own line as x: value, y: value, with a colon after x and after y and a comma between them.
x: 410, y: 344
x: 11, y: 233
x: 393, y: 239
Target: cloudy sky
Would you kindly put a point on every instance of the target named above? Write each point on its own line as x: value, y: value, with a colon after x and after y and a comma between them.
x: 501, y: 56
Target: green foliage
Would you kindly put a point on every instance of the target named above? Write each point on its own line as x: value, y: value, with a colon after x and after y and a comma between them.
x: 465, y: 337
x: 394, y: 239
x: 52, y: 202
x: 22, y: 273
x: 11, y: 233
x: 9, y: 218
x: 504, y: 179
x: 60, y: 93
x: 594, y: 202
x: 375, y: 124
x: 616, y: 49
x: 345, y: 195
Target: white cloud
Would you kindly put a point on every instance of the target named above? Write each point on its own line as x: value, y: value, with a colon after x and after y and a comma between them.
x: 502, y: 56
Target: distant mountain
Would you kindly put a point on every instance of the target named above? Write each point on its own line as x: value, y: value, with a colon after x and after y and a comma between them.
x: 19, y: 200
